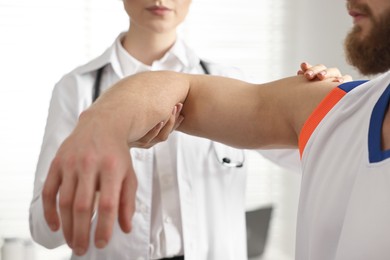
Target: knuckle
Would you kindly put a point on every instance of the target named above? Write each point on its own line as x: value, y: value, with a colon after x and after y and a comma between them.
x: 109, y: 163
x: 56, y: 162
x: 47, y: 193
x: 87, y: 162
x: 65, y: 202
x: 68, y: 164
x: 81, y: 206
x: 107, y: 205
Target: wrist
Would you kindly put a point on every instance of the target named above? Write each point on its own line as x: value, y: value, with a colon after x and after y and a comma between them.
x: 102, y: 124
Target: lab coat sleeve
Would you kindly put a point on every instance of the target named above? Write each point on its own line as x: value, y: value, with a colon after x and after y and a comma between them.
x: 62, y: 117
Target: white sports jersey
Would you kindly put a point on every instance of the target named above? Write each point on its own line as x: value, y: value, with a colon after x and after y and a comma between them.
x: 344, y: 211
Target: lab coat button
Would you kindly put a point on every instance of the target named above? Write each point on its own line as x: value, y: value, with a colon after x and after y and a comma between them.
x: 168, y: 220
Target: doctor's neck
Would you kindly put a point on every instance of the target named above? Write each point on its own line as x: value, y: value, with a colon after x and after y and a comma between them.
x: 148, y: 46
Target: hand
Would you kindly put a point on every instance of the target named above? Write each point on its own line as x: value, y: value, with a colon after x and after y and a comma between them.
x: 160, y: 132
x: 92, y: 160
x: 321, y: 72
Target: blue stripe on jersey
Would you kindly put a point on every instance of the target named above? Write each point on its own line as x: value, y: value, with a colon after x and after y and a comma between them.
x: 376, y: 154
x: 351, y: 85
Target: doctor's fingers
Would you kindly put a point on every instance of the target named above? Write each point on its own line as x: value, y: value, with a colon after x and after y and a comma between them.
x: 312, y: 72
x: 49, y: 196
x: 344, y: 78
x: 161, y: 131
x: 171, y: 124
x: 304, y: 66
x: 145, y: 141
x: 319, y: 71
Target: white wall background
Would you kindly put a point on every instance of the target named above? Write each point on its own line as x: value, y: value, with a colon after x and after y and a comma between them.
x: 43, y: 39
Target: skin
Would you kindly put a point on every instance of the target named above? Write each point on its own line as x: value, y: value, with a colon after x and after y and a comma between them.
x: 361, y: 19
x: 153, y: 27
x: 95, y: 157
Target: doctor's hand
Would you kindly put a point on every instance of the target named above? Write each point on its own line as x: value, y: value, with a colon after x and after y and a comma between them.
x: 321, y: 72
x: 161, y: 131
x: 92, y: 160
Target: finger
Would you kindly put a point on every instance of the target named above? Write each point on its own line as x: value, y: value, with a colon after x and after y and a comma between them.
x: 83, y: 206
x: 178, y: 118
x: 127, y: 201
x: 168, y: 126
x: 175, y: 120
x: 179, y: 109
x: 110, y: 189
x: 305, y: 66
x: 329, y: 73
x: 178, y: 122
x: 49, y: 195
x: 66, y: 196
x: 344, y: 78
x: 167, y: 129
x: 313, y: 71
x: 151, y: 134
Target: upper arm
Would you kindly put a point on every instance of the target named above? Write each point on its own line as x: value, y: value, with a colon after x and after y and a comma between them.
x: 251, y: 116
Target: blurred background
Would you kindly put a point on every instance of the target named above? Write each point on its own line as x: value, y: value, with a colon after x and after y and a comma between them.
x: 42, y: 40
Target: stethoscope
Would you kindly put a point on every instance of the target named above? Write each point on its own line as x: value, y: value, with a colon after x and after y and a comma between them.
x: 225, y: 160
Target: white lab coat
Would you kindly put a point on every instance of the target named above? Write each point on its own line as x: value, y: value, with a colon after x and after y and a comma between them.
x: 212, y: 203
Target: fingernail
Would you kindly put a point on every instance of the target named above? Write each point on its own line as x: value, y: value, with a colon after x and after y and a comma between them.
x: 180, y: 108
x: 174, y: 110
x: 159, y: 125
x: 79, y: 251
x: 101, y: 243
x: 309, y: 73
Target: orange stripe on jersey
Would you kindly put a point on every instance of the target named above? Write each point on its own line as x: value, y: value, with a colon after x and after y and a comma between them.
x: 319, y: 113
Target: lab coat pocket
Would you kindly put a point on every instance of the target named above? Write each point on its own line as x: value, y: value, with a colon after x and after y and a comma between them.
x: 229, y: 157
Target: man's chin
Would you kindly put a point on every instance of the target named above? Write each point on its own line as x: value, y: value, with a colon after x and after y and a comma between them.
x: 368, y: 46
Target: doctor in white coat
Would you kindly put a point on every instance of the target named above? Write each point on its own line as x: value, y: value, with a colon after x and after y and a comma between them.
x: 190, y: 195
